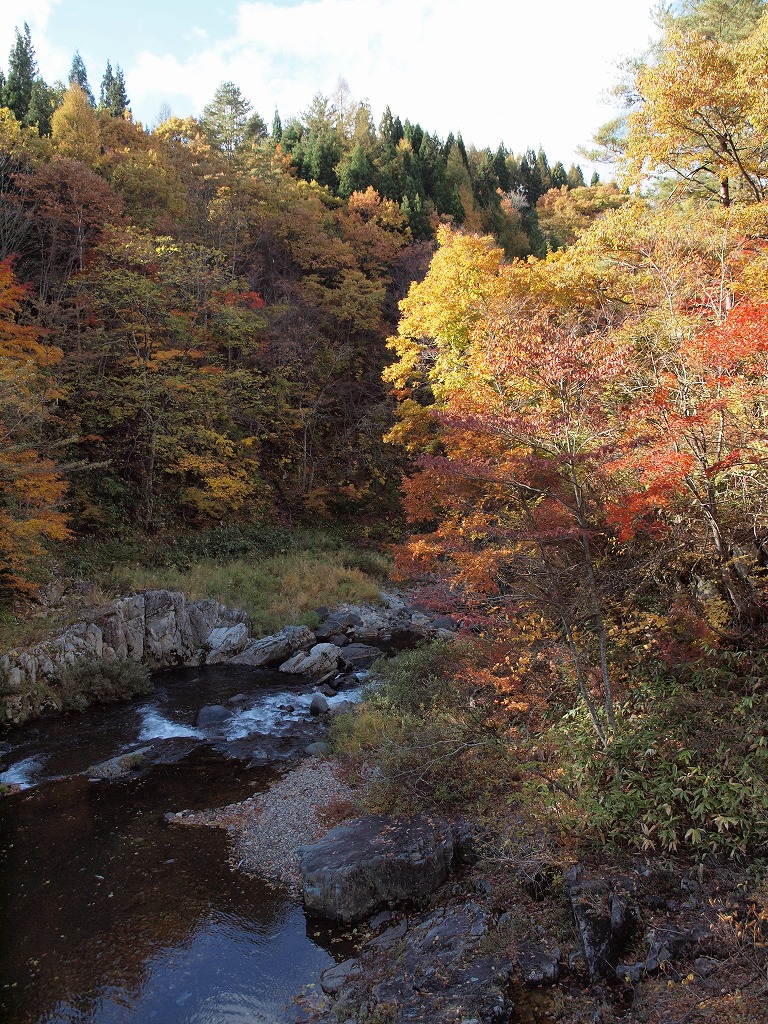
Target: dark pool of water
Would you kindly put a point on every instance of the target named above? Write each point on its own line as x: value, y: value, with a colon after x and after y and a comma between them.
x: 109, y: 915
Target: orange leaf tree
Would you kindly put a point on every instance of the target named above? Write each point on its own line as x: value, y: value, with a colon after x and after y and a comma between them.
x: 31, y: 487
x: 509, y: 495
x: 697, y: 457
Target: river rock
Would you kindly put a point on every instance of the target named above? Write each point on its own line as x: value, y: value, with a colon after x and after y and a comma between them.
x: 360, y: 655
x: 322, y: 660
x: 334, y: 978
x: 225, y: 643
x: 123, y: 764
x: 271, y: 650
x: 340, y: 621
x: 213, y: 716
x: 319, y: 705
x: 368, y: 863
x: 316, y: 749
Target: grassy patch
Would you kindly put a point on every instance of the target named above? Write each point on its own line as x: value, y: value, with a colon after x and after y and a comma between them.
x: 277, y: 576
x: 276, y: 590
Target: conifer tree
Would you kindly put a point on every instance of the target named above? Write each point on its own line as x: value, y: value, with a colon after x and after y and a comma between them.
x: 22, y: 68
x: 79, y: 76
x: 113, y: 97
x: 107, y: 83
x: 559, y: 175
x: 575, y: 177
x: 225, y: 118
x: 41, y: 107
x: 277, y: 128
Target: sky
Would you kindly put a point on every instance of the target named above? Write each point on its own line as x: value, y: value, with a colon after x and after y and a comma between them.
x: 496, y: 71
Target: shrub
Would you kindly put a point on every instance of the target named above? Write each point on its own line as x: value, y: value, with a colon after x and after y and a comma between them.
x: 102, y: 681
x: 424, y: 731
x: 687, y: 767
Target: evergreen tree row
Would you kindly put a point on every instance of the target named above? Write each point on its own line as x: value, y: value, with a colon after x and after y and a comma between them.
x: 336, y: 144
x: 33, y: 102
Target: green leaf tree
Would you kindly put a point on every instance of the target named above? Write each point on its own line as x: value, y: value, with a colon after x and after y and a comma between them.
x: 225, y: 118
x: 113, y: 97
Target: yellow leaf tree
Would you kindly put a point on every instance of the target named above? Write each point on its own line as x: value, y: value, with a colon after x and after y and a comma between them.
x: 700, y: 116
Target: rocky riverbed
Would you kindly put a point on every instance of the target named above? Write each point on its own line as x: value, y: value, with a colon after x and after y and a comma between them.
x: 447, y: 929
x: 529, y: 940
x: 268, y: 830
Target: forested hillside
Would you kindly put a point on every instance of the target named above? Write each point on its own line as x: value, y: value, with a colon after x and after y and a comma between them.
x: 589, y: 431
x: 194, y: 315
x: 194, y: 332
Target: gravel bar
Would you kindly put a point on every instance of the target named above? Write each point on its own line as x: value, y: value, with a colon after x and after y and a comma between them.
x: 267, y: 830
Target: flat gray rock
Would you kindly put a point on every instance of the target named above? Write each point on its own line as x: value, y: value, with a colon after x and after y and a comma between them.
x: 370, y: 862
x: 271, y: 650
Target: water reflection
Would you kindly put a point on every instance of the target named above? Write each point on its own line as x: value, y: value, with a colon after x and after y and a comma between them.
x: 109, y: 915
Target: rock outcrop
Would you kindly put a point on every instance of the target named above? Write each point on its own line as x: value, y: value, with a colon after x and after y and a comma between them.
x: 606, y: 916
x: 273, y: 650
x: 425, y: 968
x: 159, y: 629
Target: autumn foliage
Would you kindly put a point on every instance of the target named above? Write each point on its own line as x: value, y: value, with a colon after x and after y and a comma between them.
x: 32, y: 488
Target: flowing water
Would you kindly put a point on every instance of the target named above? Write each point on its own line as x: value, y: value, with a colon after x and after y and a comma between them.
x: 110, y: 916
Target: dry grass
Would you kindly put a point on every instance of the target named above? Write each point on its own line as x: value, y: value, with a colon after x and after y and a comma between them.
x: 274, y: 591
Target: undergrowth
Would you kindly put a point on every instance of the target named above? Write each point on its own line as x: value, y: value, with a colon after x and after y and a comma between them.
x: 101, y: 682
x: 426, y: 736
x: 687, y: 768
x: 276, y: 575
x: 274, y: 591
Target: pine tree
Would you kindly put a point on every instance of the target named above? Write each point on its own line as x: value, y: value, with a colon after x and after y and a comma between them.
x: 559, y: 175
x: 575, y: 177
x: 113, y: 98
x: 225, y: 118
x: 277, y: 128
x: 255, y: 129
x: 22, y: 69
x: 41, y: 107
x: 79, y: 76
x: 107, y: 84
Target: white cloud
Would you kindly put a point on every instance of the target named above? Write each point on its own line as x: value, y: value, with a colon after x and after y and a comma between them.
x: 37, y: 14
x: 520, y: 73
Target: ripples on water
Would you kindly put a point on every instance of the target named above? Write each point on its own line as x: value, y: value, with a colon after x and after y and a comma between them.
x: 107, y: 915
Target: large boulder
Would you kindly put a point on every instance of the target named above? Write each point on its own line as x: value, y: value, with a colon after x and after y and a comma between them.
x: 226, y: 642
x: 213, y: 716
x: 322, y: 660
x: 271, y: 650
x: 371, y: 862
x: 360, y: 655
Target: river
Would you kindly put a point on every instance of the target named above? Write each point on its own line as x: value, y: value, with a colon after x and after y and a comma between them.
x: 110, y: 916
